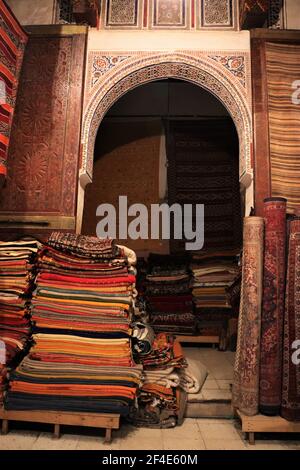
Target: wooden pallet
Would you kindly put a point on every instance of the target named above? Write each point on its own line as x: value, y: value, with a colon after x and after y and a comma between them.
x: 261, y: 423
x: 198, y: 339
x: 94, y: 420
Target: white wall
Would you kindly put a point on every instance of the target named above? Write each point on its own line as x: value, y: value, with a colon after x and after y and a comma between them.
x: 33, y: 12
x: 292, y: 14
x: 168, y: 40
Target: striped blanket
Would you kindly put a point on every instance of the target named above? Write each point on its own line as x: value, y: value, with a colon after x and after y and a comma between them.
x: 283, y: 72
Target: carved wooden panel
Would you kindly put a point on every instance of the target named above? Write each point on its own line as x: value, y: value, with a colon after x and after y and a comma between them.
x: 44, y: 152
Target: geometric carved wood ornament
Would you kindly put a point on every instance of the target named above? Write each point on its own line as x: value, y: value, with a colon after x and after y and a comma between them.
x: 86, y: 11
x: 253, y: 13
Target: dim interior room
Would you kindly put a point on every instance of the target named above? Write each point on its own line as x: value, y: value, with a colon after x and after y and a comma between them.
x: 171, y: 141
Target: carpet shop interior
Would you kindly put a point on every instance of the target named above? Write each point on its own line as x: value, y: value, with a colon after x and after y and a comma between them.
x: 125, y: 332
x: 181, y: 142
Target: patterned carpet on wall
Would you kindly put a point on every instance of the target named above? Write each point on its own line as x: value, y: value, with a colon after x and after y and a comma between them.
x: 203, y: 169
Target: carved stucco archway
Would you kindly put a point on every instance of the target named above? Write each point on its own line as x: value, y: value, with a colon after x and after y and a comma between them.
x: 140, y: 68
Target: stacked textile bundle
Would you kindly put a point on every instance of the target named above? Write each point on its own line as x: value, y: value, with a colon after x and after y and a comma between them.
x: 81, y: 309
x: 213, y: 274
x: 159, y: 397
x: 168, y: 293
x: 16, y: 282
x: 141, y: 311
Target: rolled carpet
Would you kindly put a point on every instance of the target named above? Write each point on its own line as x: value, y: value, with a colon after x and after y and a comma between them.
x: 272, y: 306
x: 290, y: 407
x: 246, y: 370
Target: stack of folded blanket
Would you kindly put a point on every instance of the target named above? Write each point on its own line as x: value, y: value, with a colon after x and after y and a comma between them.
x: 159, y: 397
x: 16, y: 282
x: 213, y: 274
x: 169, y: 296
x: 81, y: 309
x: 192, y: 378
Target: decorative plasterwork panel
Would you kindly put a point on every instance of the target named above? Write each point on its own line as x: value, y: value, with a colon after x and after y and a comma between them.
x: 170, y: 14
x: 101, y: 64
x: 225, y: 76
x: 235, y: 64
x: 216, y: 14
x: 122, y: 14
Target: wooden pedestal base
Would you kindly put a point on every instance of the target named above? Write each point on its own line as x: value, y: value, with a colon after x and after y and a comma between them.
x: 94, y: 420
x: 198, y: 339
x: 270, y: 424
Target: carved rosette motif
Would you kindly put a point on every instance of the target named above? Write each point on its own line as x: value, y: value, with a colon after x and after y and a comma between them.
x: 234, y: 64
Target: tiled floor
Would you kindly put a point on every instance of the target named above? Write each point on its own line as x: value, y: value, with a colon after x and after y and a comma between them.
x: 194, y: 434
x: 220, y: 373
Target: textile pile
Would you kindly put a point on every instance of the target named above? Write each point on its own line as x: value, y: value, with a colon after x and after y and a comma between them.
x: 213, y: 274
x: 82, y: 306
x: 16, y: 282
x: 159, y: 397
x: 13, y: 41
x: 169, y: 296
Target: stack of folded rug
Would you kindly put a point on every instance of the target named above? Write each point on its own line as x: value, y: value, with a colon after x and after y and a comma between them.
x: 213, y: 274
x: 159, y: 397
x: 81, y: 309
x: 169, y: 296
x: 16, y: 282
x: 3, y: 381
